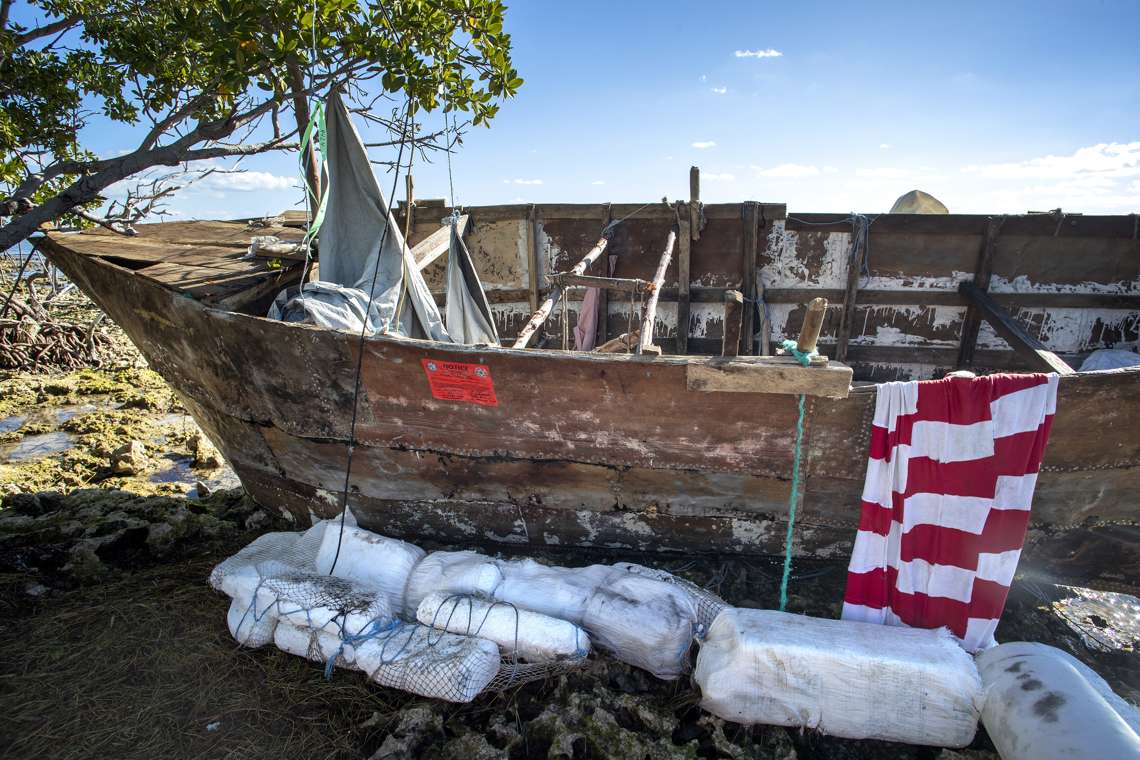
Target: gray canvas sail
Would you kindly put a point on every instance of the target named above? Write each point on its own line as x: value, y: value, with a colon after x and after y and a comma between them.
x: 469, y: 318
x: 356, y: 252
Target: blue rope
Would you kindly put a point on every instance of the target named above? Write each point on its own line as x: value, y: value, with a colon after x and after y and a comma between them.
x: 803, y: 359
x: 374, y: 630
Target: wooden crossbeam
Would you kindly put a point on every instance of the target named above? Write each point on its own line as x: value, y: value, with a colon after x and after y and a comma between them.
x: 1029, y: 348
x: 566, y: 280
x: 436, y: 244
x: 972, y: 321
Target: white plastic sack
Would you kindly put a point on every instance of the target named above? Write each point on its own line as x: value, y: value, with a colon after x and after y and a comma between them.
x: 316, y: 645
x: 1109, y: 358
x: 531, y: 636
x: 646, y: 622
x: 466, y: 572
x: 374, y: 561
x: 560, y: 592
x: 249, y: 625
x: 856, y: 680
x: 1039, y: 705
x: 430, y: 663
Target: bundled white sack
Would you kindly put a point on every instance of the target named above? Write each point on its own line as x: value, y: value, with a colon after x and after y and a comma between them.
x: 1040, y: 705
x: 560, y: 592
x: 856, y: 680
x: 466, y: 572
x: 380, y: 563
x: 429, y: 662
x: 531, y: 636
x: 641, y: 620
x: 318, y: 645
x: 250, y: 625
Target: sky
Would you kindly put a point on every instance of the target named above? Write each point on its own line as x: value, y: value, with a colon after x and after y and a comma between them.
x: 829, y: 107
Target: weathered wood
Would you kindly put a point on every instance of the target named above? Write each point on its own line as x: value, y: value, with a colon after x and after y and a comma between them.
x: 695, y: 202
x: 932, y: 297
x: 750, y: 220
x: 813, y: 321
x: 624, y: 343
x: 436, y: 244
x: 733, y: 308
x: 543, y: 312
x: 765, y: 325
x: 567, y: 280
x: 1032, y: 350
x: 601, y: 334
x: 649, y: 317
x: 855, y: 261
x: 972, y: 320
x: 684, y: 249
x: 531, y: 234
x: 770, y: 374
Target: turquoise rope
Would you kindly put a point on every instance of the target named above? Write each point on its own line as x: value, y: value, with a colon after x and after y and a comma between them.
x: 802, y: 357
x: 795, y: 495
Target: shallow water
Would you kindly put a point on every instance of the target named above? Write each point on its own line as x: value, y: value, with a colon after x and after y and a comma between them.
x: 13, y: 423
x: 37, y: 446
x: 181, y: 470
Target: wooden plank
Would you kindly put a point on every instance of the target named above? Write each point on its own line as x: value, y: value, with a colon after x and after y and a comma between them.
x: 982, y: 273
x: 765, y: 325
x: 649, y: 318
x: 1032, y: 350
x: 855, y: 261
x: 769, y: 374
x: 436, y: 244
x: 733, y: 311
x: 1042, y: 225
x: 684, y: 250
x: 695, y: 202
x: 750, y: 219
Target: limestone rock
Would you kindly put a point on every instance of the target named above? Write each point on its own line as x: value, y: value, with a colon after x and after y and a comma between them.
x: 206, y: 457
x: 129, y: 459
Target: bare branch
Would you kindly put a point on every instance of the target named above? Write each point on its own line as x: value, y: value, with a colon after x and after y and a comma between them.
x: 46, y: 30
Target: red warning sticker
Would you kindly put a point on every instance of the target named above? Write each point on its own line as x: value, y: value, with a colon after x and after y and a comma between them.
x: 456, y: 381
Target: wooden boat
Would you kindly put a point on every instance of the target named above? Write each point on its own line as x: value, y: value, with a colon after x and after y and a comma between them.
x: 687, y: 451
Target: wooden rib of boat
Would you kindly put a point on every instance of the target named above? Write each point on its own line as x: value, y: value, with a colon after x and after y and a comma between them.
x: 683, y: 451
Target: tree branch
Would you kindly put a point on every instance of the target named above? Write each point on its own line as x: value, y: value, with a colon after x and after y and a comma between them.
x: 44, y: 31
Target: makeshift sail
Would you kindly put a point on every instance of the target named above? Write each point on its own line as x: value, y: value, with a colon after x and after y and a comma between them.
x: 369, y: 278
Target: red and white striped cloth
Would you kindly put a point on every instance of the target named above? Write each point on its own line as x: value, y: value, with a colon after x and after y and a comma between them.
x: 953, y: 465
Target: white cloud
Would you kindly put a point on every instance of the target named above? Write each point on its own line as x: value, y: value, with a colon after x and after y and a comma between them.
x: 522, y: 182
x: 249, y: 181
x: 704, y: 144
x: 704, y: 77
x: 787, y: 170
x: 884, y: 146
x: 713, y: 176
x: 1103, y: 159
x: 769, y: 53
x: 885, y: 172
x: 720, y: 90
x: 598, y: 182
x: 830, y: 170
x: 668, y: 158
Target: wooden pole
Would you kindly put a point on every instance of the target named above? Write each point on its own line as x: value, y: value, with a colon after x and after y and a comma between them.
x: 813, y: 323
x: 765, y: 327
x: 602, y: 333
x: 733, y: 311
x: 410, y: 208
x: 695, y: 202
x: 650, y: 316
x: 548, y: 305
x: 532, y: 257
x: 854, y: 267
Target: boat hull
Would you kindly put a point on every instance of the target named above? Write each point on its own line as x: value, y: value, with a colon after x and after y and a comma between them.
x: 616, y: 452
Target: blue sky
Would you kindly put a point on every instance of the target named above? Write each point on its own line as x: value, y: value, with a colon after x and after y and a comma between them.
x: 991, y: 107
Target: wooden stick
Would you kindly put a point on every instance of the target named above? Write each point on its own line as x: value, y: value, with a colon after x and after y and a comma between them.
x: 532, y: 257
x: 603, y: 332
x: 1026, y: 346
x: 650, y: 316
x: 813, y: 323
x: 854, y: 267
x: 410, y: 207
x: 733, y: 311
x: 555, y: 294
x: 695, y: 202
x: 765, y: 326
x: 622, y: 344
x: 565, y: 280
